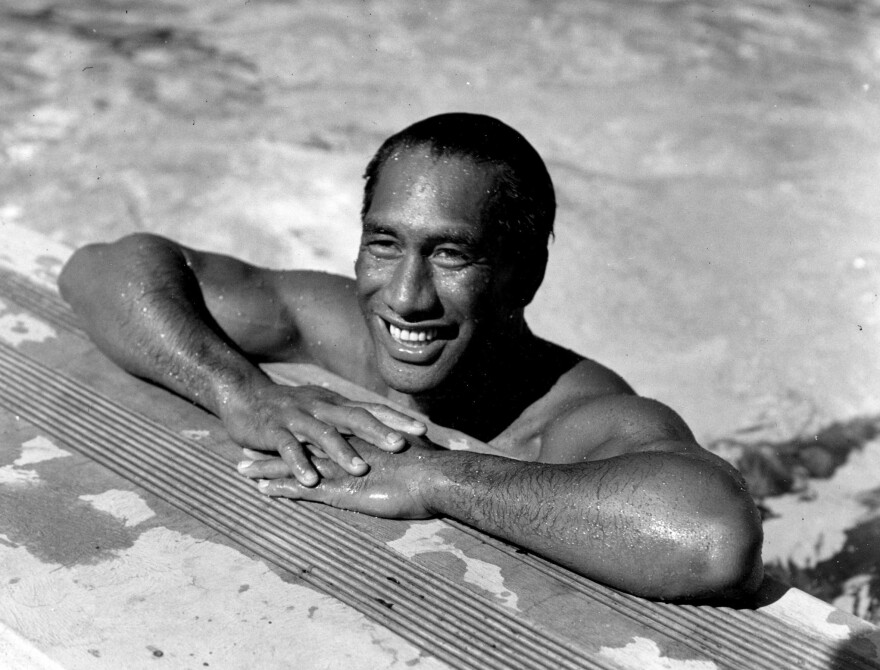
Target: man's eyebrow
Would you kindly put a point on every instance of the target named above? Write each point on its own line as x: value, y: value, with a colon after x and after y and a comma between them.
x: 376, y: 228
x: 463, y: 236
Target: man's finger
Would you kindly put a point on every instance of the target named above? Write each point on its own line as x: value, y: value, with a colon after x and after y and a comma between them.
x: 254, y: 455
x: 273, y: 467
x: 360, y: 422
x: 294, y: 455
x: 291, y: 488
x: 339, y: 493
x: 334, y: 445
x: 394, y: 419
x: 264, y: 468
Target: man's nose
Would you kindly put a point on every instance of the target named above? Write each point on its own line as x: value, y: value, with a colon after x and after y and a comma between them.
x: 411, y: 293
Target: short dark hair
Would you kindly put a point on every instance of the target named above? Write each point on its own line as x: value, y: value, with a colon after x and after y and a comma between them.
x: 523, y: 202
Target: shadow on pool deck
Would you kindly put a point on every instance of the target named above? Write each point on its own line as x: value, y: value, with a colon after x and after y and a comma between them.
x: 848, y: 575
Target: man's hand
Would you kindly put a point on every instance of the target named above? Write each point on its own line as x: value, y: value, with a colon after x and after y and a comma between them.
x: 298, y: 421
x: 391, y: 489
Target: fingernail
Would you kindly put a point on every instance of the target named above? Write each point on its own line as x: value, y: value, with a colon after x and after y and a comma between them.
x: 394, y: 438
x: 309, y: 478
x: 263, y: 485
x: 244, y: 465
x: 358, y: 462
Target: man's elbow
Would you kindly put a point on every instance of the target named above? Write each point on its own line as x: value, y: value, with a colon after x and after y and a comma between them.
x: 78, y: 270
x: 731, y: 567
x: 90, y: 268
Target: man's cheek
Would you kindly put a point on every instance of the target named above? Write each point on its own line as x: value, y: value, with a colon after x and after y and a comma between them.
x: 368, y: 278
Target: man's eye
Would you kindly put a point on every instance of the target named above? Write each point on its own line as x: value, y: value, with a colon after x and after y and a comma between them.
x: 382, y: 248
x: 451, y: 258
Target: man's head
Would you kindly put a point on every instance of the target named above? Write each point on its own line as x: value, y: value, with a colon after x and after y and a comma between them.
x: 522, y: 202
x: 456, y: 221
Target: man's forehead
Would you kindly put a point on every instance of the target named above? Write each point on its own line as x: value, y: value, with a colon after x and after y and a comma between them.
x: 440, y: 198
x: 421, y: 169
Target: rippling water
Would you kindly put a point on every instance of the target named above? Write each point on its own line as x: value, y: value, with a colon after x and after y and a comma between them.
x: 716, y: 166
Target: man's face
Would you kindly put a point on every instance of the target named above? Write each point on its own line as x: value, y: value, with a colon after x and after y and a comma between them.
x: 432, y: 283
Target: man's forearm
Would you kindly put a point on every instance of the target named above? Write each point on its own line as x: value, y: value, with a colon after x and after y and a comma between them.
x: 660, y: 525
x: 145, y: 308
x: 142, y: 306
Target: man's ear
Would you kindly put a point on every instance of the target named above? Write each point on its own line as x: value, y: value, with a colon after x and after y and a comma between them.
x: 529, y: 273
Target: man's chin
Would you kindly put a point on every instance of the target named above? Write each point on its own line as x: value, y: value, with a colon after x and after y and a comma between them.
x: 411, y: 379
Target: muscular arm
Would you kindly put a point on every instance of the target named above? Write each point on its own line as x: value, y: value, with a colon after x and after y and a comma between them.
x: 666, y: 520
x: 660, y: 525
x: 142, y: 304
x: 195, y: 323
x: 626, y: 496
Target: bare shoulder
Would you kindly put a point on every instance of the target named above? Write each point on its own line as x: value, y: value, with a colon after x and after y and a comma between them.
x: 592, y: 413
x: 590, y: 379
x: 285, y: 315
x: 289, y: 288
x: 557, y: 383
x: 331, y: 331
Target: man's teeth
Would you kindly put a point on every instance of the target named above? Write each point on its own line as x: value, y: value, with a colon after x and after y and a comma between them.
x: 412, y: 336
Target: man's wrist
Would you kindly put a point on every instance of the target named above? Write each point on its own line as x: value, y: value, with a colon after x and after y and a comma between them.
x: 436, y: 482
x: 237, y: 386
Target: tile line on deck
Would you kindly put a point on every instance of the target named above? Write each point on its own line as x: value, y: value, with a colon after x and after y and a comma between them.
x: 39, y: 405
x: 771, y: 638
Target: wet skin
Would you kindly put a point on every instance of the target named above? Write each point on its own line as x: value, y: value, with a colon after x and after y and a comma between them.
x: 432, y: 281
x: 617, y: 489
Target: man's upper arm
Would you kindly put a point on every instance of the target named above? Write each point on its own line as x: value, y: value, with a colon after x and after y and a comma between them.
x: 612, y: 425
x: 274, y: 315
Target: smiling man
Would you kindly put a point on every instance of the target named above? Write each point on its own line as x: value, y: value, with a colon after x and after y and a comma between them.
x: 458, y: 210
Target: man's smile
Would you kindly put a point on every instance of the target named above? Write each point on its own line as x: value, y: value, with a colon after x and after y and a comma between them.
x: 412, y: 336
x: 414, y: 344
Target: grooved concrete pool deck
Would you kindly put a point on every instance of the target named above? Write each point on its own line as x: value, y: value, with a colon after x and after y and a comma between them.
x: 127, y: 537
